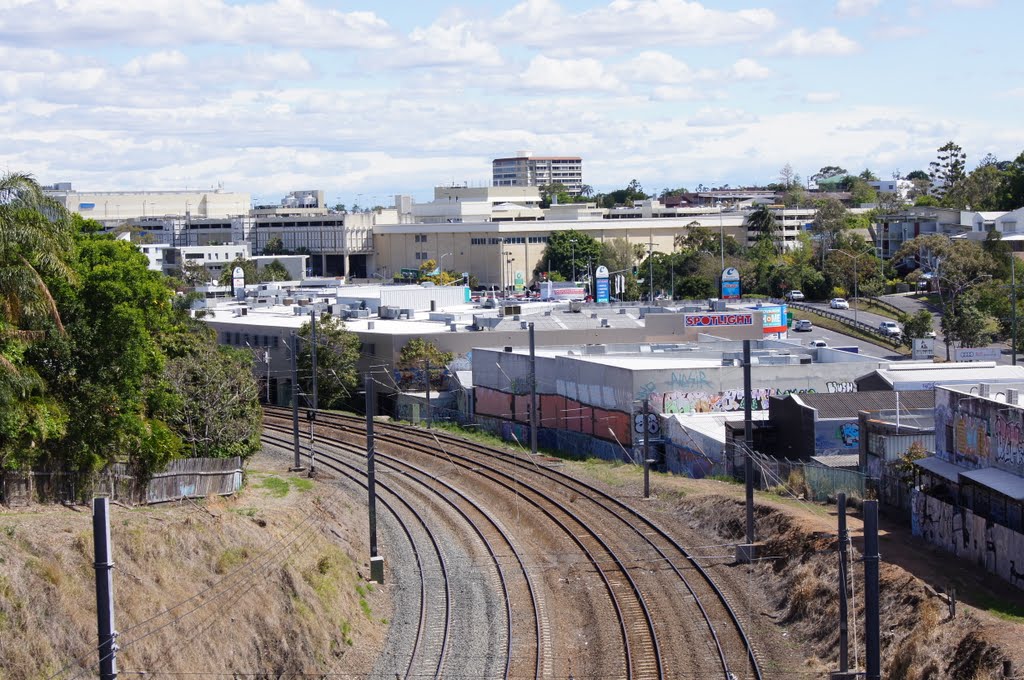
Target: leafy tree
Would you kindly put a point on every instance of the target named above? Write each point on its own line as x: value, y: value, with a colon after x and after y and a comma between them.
x: 338, y: 352
x: 35, y: 240
x: 890, y: 202
x: 868, y: 176
x: 919, y: 175
x: 417, y: 352
x: 193, y: 274
x: 632, y: 192
x: 860, y: 190
x: 214, y: 403
x: 828, y: 172
x: 829, y: 222
x: 983, y: 188
x: 558, y: 255
x: 617, y: 254
x: 248, y: 268
x: 275, y: 271
x: 556, y: 192
x: 274, y: 246
x: 915, y: 326
x: 586, y: 191
x: 762, y: 220
x: 947, y: 174
x: 926, y: 201
x: 1012, y: 192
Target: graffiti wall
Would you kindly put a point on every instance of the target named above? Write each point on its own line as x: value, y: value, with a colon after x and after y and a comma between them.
x: 557, y: 412
x: 999, y: 549
x: 834, y: 437
x: 717, y: 402
x: 979, y: 432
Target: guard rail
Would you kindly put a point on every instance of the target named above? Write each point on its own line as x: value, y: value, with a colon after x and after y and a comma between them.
x: 846, y: 321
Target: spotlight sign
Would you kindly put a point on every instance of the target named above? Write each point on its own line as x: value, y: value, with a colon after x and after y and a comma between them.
x: 717, y: 319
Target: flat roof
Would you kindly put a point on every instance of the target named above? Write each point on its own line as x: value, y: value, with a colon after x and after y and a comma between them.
x: 842, y: 460
x: 1000, y: 481
x: 952, y: 376
x: 648, y: 361
x: 712, y: 425
x: 942, y: 468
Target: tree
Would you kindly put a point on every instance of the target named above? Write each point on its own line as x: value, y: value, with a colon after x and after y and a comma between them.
x: 829, y: 222
x: 562, y: 246
x: 35, y: 241
x: 947, y: 174
x: 632, y: 192
x: 274, y: 246
x: 860, y: 191
x: 586, y: 191
x: 983, y: 188
x: 556, y: 192
x: 275, y: 271
x: 918, y: 175
x: 248, y: 268
x: 193, y: 274
x: 762, y: 220
x: 890, y: 203
x: 1012, y: 192
x: 417, y: 352
x: 617, y: 254
x: 868, y: 176
x: 788, y: 177
x: 915, y: 326
x: 338, y: 352
x: 214, y: 402
x: 828, y: 172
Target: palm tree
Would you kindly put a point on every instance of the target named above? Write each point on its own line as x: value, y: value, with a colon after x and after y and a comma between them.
x: 35, y: 241
x: 762, y: 220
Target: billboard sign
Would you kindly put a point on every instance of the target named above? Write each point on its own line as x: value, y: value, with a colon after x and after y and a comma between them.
x: 712, y: 319
x: 730, y: 283
x: 977, y: 354
x: 923, y: 349
x: 238, y: 283
x: 601, y: 287
x: 520, y: 280
x: 561, y: 290
x: 773, y: 318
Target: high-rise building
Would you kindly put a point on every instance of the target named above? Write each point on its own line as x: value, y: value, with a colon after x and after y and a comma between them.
x: 524, y: 170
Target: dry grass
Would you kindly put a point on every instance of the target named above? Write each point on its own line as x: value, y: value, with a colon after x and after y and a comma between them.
x: 281, y: 593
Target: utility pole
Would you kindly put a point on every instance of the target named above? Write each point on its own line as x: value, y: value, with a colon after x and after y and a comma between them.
x: 312, y: 413
x: 747, y: 553
x: 266, y: 358
x: 872, y: 638
x: 650, y: 264
x: 429, y: 413
x: 533, y: 392
x: 647, y: 449
x: 844, y: 635
x: 376, y: 562
x: 297, y: 464
x: 1013, y: 279
x: 104, y: 588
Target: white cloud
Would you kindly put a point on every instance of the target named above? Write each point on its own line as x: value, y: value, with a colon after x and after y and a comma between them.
x: 449, y: 42
x: 823, y: 42
x: 748, y: 69
x: 542, y: 23
x: 720, y: 117
x: 292, y: 23
x: 655, y: 67
x: 821, y: 97
x: 544, y: 73
x: 157, y: 62
x: 855, y: 8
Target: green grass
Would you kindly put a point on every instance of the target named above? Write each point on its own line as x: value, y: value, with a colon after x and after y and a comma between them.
x: 301, y: 483
x: 230, y: 558
x: 868, y: 306
x: 1008, y: 611
x: 276, y: 486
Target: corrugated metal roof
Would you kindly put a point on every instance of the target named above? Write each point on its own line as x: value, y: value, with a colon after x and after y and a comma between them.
x: 952, y: 374
x: 939, y: 467
x: 998, y: 480
x: 843, y: 460
x: 848, y: 404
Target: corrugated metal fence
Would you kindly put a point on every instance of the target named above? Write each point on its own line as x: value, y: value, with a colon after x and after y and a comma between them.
x: 811, y: 480
x: 185, y: 478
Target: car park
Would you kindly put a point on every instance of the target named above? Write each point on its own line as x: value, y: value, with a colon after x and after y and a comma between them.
x: 803, y: 325
x: 838, y: 303
x: 795, y: 296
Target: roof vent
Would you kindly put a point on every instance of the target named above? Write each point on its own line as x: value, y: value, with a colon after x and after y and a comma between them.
x: 1012, y: 396
x: 369, y: 325
x: 984, y: 390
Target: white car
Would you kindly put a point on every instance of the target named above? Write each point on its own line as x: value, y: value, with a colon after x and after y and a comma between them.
x: 803, y: 325
x: 890, y: 329
x: 838, y: 303
x: 817, y: 343
x: 795, y: 296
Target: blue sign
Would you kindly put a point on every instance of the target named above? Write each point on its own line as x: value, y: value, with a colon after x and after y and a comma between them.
x: 730, y: 290
x: 601, y: 289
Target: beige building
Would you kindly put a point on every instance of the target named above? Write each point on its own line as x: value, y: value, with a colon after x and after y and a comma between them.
x: 524, y: 170
x: 111, y: 207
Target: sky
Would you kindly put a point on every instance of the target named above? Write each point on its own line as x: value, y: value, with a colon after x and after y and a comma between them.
x: 365, y: 100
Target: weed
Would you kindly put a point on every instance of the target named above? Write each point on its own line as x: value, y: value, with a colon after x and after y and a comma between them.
x: 361, y: 589
x: 276, y: 486
x: 365, y: 606
x: 301, y: 484
x: 9, y: 531
x: 246, y: 512
x: 346, y: 632
x: 229, y: 559
x: 324, y: 565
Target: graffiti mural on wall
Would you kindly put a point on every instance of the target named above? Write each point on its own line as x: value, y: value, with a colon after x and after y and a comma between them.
x: 849, y: 433
x: 970, y: 435
x: 835, y: 387
x: 1009, y: 444
x: 689, y: 380
x: 727, y: 401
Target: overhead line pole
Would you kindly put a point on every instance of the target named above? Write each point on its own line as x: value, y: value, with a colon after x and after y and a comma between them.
x: 104, y: 588
x: 533, y: 392
x: 376, y: 562
x: 312, y: 413
x: 297, y: 464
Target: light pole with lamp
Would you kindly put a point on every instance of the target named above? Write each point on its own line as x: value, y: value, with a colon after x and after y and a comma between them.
x: 721, y: 235
x: 572, y: 242
x: 439, y: 261
x: 856, y: 292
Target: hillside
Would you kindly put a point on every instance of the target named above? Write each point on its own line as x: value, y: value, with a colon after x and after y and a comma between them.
x: 278, y: 572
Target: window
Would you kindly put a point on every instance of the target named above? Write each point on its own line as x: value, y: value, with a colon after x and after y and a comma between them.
x: 421, y: 238
x: 275, y: 342
x: 227, y: 338
x: 494, y: 241
x: 478, y: 241
x: 238, y: 339
x: 514, y: 240
x: 538, y: 239
x: 422, y: 256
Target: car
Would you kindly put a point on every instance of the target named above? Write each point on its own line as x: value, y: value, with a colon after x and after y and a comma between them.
x: 890, y: 329
x: 838, y: 303
x: 794, y: 296
x: 817, y: 343
x: 803, y: 325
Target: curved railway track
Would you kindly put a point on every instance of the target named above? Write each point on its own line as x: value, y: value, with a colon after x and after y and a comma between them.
x: 641, y: 649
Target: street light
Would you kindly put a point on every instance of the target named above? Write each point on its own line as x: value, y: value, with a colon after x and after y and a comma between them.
x: 572, y: 241
x: 856, y: 292
x: 721, y: 234
x: 439, y: 261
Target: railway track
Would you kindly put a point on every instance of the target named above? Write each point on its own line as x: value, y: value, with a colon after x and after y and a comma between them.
x: 619, y: 524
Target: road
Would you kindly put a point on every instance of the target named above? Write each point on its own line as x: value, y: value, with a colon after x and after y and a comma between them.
x: 835, y: 339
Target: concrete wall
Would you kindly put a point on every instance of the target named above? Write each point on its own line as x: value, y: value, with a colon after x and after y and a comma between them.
x: 998, y: 549
x: 977, y: 432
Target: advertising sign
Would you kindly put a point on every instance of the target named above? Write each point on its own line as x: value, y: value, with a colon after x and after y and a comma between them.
x: 601, y: 288
x: 238, y: 283
x: 773, y: 317
x: 519, y: 279
x: 710, y: 319
x: 923, y: 349
x: 730, y: 283
x: 561, y: 290
x: 977, y: 354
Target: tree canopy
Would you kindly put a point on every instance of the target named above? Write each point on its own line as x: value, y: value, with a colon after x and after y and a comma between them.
x: 566, y: 248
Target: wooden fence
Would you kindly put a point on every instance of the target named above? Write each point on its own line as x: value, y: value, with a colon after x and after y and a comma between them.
x: 186, y: 478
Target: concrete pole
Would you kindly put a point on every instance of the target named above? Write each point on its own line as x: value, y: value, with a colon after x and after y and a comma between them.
x: 376, y: 562
x: 844, y: 636
x: 872, y: 638
x: 1013, y: 279
x: 533, y: 392
x: 748, y: 440
x: 104, y: 588
x: 297, y: 465
x: 429, y: 414
x: 647, y: 449
x: 312, y: 413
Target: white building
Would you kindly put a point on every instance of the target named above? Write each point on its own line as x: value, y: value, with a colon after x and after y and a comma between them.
x: 115, y: 207
x: 524, y: 170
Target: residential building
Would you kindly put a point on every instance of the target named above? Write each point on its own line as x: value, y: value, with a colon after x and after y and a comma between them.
x: 525, y: 170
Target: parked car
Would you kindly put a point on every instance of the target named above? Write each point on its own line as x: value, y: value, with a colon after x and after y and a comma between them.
x: 803, y: 325
x: 794, y: 296
x: 890, y: 329
x: 839, y: 303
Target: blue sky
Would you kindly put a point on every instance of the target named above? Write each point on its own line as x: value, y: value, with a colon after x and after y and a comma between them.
x: 366, y: 100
